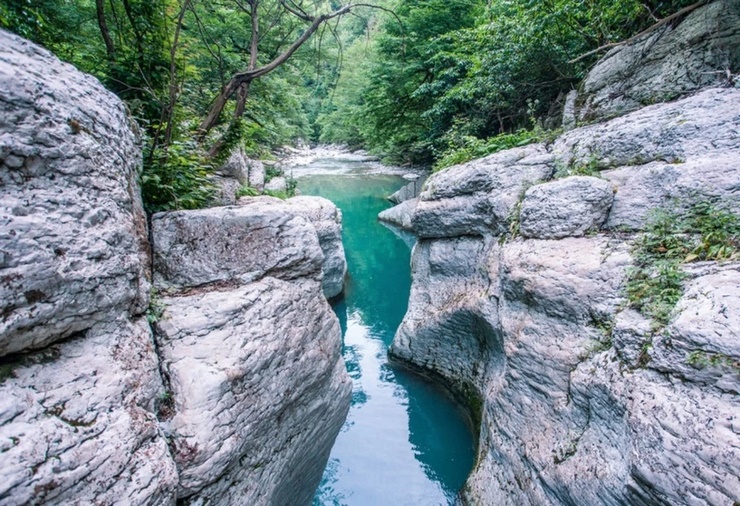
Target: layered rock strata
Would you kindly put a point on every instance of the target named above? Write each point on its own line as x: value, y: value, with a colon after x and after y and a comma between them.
x: 580, y: 401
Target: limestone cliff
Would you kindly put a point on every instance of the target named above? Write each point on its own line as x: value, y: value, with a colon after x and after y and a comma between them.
x: 518, y: 303
x: 238, y: 395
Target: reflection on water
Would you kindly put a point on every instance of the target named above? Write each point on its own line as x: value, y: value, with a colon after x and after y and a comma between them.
x: 404, y: 442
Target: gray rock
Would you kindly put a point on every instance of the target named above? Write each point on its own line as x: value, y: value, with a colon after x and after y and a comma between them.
x: 256, y: 174
x: 670, y: 62
x: 569, y: 207
x: 277, y: 184
x: 702, y: 342
x: 478, y: 197
x: 701, y: 126
x: 226, y: 190
x: 245, y: 170
x: 643, y: 188
x: 569, y: 110
x: 260, y: 391
x: 408, y: 191
x: 400, y: 215
x: 233, y: 245
x: 78, y: 424
x: 326, y: 218
x: 73, y: 234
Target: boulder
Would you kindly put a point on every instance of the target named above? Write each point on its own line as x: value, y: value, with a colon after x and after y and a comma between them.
x: 250, y: 348
x: 400, y: 215
x: 226, y: 190
x: 245, y: 170
x: 676, y: 185
x: 259, y: 390
x: 73, y: 234
x: 701, y: 126
x: 478, y: 197
x: 78, y: 423
x: 277, y: 184
x: 409, y: 191
x: 668, y: 63
x: 326, y: 218
x: 234, y: 244
x: 569, y: 207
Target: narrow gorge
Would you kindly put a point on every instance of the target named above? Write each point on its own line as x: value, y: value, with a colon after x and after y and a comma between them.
x: 567, y: 332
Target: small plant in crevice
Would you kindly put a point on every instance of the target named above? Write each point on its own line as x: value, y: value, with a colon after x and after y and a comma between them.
x: 589, y: 167
x: 247, y: 191
x: 674, y: 237
x: 701, y: 359
x: 156, y: 308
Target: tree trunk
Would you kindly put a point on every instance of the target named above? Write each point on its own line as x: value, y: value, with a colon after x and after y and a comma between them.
x: 109, y: 47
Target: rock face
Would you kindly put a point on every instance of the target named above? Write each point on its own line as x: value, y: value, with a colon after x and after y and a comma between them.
x: 409, y: 191
x: 73, y: 241
x: 326, y: 218
x: 77, y: 417
x: 238, y: 397
x: 250, y: 350
x: 700, y: 51
x: 400, y: 215
x: 579, y: 400
x: 566, y: 208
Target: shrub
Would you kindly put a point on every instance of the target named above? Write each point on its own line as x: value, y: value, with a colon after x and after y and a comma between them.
x: 176, y: 178
x: 674, y: 237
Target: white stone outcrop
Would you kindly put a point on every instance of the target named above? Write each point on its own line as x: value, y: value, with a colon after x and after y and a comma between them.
x: 569, y: 207
x: 478, y: 197
x: 81, y: 389
x: 326, y: 218
x: 73, y: 235
x: 579, y: 400
x: 250, y: 350
x: 241, y: 397
x: 400, y: 214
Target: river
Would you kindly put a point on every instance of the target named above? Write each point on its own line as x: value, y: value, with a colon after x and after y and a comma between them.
x: 404, y: 441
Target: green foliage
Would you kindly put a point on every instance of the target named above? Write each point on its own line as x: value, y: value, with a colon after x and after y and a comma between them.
x: 575, y: 168
x: 465, y: 148
x: 247, y: 191
x: 177, y: 178
x: 271, y: 173
x: 468, y: 71
x: 702, y: 359
x: 672, y: 237
x: 156, y: 308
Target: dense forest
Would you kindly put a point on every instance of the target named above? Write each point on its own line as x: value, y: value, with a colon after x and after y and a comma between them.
x: 431, y: 82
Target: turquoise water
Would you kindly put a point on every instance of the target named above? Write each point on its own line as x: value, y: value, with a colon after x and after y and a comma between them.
x: 404, y: 442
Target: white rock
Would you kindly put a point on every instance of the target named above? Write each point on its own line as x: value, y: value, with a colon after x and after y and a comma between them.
x: 568, y: 207
x: 73, y: 234
x: 639, y: 189
x: 78, y: 425
x: 326, y: 218
x: 400, y: 215
x: 478, y: 197
x: 233, y: 244
x: 260, y: 391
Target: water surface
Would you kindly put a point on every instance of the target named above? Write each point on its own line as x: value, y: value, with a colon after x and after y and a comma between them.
x: 404, y: 442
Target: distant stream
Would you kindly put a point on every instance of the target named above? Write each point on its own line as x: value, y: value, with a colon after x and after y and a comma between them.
x: 404, y: 442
